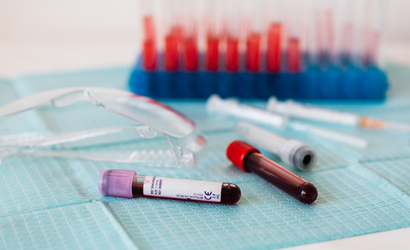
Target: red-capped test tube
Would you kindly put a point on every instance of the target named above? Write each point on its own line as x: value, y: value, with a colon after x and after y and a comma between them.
x: 127, y: 184
x: 293, y: 43
x: 275, y: 29
x: 232, y: 28
x: 172, y: 32
x: 254, y: 36
x: 190, y: 42
x: 213, y: 34
x: 249, y: 159
x: 371, y: 31
x: 149, y: 46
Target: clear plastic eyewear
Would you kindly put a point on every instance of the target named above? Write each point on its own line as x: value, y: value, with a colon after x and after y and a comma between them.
x: 187, y: 144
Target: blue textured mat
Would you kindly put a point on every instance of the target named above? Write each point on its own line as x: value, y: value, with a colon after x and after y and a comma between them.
x: 54, y: 203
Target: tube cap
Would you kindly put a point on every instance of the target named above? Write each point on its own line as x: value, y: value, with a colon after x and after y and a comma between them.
x: 237, y: 151
x: 117, y: 183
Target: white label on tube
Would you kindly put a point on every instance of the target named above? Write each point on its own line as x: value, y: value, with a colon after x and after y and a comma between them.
x: 182, y: 189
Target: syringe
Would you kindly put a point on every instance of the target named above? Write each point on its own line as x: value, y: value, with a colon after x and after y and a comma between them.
x: 294, y: 109
x: 292, y: 152
x: 231, y: 107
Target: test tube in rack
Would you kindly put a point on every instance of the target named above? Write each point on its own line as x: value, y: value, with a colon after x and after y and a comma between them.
x: 232, y: 29
x: 173, y: 33
x: 293, y: 41
x: 254, y: 35
x: 149, y: 46
x: 213, y: 34
x: 190, y: 41
x: 274, y: 37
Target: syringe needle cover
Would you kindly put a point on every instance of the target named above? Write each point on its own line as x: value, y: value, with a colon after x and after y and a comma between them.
x: 231, y: 107
x: 127, y: 184
x: 292, y: 152
x: 330, y: 134
x: 249, y: 159
x: 298, y: 110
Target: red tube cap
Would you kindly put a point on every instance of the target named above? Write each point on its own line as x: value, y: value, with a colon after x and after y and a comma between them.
x: 237, y: 151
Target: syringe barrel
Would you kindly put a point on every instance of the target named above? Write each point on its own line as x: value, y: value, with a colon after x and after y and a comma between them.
x: 260, y: 137
x: 292, y: 152
x: 233, y: 108
x: 294, y: 109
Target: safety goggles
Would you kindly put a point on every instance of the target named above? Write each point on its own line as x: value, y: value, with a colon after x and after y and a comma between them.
x: 187, y: 144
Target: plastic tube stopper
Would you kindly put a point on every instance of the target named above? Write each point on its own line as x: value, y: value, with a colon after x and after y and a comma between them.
x: 237, y: 151
x: 116, y: 183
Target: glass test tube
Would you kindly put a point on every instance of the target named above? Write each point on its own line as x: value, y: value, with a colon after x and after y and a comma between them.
x: 213, y: 34
x: 293, y: 43
x: 127, y: 184
x: 232, y: 27
x: 173, y: 33
x: 254, y: 35
x: 371, y: 33
x: 274, y: 36
x: 249, y: 159
x: 324, y: 31
x: 190, y: 41
x: 310, y: 36
x: 149, y: 46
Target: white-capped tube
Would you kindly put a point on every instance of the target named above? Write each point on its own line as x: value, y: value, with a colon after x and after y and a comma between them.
x: 231, y: 107
x: 294, y: 109
x: 330, y: 134
x: 292, y: 152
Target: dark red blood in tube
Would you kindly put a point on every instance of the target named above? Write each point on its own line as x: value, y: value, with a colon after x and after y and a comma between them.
x: 232, y: 54
x: 249, y: 159
x: 212, y: 53
x: 253, y: 52
x: 127, y: 184
x: 149, y: 54
x: 171, y: 52
x: 274, y: 47
x: 190, y: 54
x: 293, y: 55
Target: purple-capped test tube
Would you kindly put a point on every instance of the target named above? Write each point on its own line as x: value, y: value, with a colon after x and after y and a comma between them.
x: 127, y: 184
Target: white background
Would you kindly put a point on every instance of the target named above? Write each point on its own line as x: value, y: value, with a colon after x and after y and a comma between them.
x: 39, y: 36
x: 53, y: 35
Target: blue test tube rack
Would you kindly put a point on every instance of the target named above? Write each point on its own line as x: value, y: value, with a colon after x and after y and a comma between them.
x: 334, y: 83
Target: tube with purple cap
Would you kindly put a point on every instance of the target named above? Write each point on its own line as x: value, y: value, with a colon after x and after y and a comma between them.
x: 127, y: 184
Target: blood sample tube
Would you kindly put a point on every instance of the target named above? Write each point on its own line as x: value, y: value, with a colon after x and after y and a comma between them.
x: 292, y: 152
x: 149, y: 47
x: 232, y: 54
x: 190, y: 53
x: 172, y: 33
x: 274, y: 50
x: 253, y: 38
x: 371, y: 32
x: 293, y: 54
x: 253, y: 51
x: 213, y: 35
x: 127, y: 184
x: 171, y: 51
x: 190, y: 46
x: 233, y: 33
x: 293, y: 49
x: 249, y: 159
